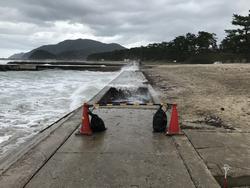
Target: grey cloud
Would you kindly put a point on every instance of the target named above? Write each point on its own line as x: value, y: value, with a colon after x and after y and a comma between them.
x: 134, y: 21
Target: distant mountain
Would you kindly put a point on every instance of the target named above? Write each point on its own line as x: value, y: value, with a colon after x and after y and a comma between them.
x: 72, y: 49
x: 42, y: 54
x: 17, y: 56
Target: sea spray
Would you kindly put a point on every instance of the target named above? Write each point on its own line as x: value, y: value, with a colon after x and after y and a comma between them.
x: 32, y: 100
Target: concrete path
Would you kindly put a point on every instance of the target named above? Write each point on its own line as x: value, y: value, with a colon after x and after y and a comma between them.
x: 219, y: 147
x: 128, y: 154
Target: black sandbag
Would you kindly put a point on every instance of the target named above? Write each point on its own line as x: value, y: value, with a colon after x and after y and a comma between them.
x: 96, y: 123
x: 160, y: 121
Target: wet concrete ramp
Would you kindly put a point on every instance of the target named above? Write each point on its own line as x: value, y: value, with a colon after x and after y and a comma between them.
x: 128, y: 154
x: 124, y: 95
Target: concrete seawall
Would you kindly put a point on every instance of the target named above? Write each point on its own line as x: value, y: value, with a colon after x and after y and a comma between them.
x: 128, y: 154
x: 63, y: 65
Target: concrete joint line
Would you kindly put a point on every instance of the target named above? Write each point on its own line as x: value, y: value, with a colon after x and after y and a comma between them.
x: 50, y: 156
x: 184, y: 163
x: 197, y: 169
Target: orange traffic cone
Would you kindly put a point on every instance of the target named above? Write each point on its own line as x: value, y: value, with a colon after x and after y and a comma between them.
x: 173, y: 128
x: 85, y: 128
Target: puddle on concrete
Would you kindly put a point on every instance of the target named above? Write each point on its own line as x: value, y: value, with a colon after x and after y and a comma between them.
x: 127, y: 95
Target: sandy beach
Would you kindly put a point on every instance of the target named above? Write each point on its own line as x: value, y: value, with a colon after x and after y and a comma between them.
x: 204, y: 91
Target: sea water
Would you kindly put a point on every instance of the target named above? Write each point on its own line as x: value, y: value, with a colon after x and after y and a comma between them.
x: 3, y: 62
x: 32, y: 100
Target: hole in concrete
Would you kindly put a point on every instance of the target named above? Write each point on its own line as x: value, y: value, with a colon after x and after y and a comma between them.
x: 127, y: 95
x: 242, y: 181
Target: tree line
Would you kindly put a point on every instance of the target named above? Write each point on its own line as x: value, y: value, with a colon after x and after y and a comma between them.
x: 193, y: 48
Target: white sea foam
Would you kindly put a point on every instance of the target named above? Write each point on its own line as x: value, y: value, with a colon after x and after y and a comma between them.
x: 133, y: 66
x: 129, y: 78
x: 4, y: 138
x: 30, y: 101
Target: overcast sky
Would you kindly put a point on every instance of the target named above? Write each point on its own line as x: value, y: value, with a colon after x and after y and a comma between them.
x: 27, y: 24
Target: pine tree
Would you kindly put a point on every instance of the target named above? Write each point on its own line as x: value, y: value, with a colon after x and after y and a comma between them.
x: 238, y: 40
x: 206, y: 41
